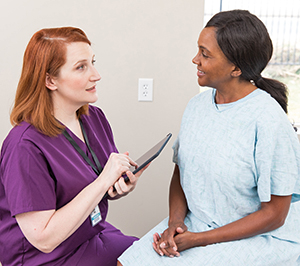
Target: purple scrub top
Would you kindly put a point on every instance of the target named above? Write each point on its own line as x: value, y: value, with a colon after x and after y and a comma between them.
x: 39, y: 172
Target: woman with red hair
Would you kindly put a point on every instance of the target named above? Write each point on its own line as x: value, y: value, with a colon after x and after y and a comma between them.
x: 59, y: 163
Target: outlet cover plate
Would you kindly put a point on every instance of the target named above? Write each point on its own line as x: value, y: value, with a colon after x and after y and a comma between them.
x: 145, y: 90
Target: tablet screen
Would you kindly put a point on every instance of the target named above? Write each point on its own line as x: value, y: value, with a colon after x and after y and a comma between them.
x: 148, y: 157
x: 151, y: 154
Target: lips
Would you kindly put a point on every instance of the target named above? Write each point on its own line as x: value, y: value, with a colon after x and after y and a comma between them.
x: 200, y: 73
x: 92, y: 88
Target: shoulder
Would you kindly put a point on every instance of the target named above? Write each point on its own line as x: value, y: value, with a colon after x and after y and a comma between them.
x: 260, y: 108
x: 265, y: 103
x: 22, y: 132
x: 272, y: 124
x: 22, y: 139
x: 205, y: 96
x: 95, y: 113
x: 268, y: 110
x: 201, y: 100
x: 96, y: 120
x: 95, y: 110
x: 95, y: 117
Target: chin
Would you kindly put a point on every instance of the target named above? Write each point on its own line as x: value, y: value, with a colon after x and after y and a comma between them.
x: 94, y: 99
x: 202, y: 84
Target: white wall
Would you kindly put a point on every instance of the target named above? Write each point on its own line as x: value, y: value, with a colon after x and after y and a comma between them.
x: 131, y: 39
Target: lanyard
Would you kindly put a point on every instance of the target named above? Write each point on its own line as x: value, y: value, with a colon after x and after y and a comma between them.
x: 98, y: 168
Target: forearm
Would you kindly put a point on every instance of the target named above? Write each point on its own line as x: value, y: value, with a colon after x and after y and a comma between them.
x: 47, y: 229
x: 177, y: 201
x: 54, y: 226
x: 270, y: 217
x: 177, y: 213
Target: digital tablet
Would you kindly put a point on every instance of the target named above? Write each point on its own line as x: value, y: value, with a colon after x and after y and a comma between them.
x: 148, y: 157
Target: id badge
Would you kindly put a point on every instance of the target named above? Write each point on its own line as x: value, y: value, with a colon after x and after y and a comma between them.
x: 95, y: 216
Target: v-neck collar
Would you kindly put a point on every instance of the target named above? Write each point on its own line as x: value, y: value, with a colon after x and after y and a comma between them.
x: 80, y: 143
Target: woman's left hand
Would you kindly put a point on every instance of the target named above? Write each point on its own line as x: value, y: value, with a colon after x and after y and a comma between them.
x: 185, y: 240
x: 122, y: 188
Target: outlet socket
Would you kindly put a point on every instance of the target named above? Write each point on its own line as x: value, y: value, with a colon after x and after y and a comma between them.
x: 145, y: 90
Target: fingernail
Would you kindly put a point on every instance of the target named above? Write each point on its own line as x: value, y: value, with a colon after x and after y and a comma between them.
x: 174, y: 248
x: 162, y: 245
x: 171, y: 256
x: 161, y: 254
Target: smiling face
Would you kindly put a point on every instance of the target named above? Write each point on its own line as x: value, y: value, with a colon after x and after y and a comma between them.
x: 75, y: 85
x: 214, y: 69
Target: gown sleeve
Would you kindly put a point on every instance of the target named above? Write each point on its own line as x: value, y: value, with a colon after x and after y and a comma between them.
x: 277, y: 159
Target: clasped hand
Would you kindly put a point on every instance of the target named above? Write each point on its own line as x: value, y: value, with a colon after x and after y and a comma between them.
x: 173, y: 240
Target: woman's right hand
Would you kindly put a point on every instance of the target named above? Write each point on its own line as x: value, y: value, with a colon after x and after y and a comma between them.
x: 165, y: 244
x: 116, y: 166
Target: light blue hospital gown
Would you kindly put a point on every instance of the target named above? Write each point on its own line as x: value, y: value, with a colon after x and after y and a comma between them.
x: 232, y: 157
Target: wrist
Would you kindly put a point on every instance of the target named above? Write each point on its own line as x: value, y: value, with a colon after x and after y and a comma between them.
x: 202, y: 239
x: 102, y: 184
x: 176, y: 222
x: 177, y: 215
x: 197, y: 240
x: 176, y: 218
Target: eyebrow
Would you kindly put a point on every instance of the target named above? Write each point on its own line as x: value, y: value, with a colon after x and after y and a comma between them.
x: 83, y: 61
x: 204, y: 48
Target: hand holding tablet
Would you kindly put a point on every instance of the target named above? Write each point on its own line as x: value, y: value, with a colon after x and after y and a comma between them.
x: 148, y: 157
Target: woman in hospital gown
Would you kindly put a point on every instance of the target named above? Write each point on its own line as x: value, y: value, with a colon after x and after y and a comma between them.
x: 235, y: 190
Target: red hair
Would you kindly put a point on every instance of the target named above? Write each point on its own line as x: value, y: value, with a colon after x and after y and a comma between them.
x: 45, y: 54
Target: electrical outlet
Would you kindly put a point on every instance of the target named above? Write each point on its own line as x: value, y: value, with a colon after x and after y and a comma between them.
x: 145, y: 91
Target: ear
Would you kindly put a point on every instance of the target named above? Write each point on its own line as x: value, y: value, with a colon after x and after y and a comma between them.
x: 236, y: 72
x: 50, y: 83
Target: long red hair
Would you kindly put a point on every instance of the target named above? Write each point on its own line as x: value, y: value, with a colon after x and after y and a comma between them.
x: 45, y: 54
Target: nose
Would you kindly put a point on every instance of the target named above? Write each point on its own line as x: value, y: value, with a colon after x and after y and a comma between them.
x: 95, y: 75
x: 196, y: 59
